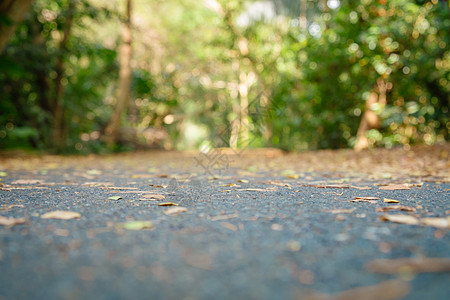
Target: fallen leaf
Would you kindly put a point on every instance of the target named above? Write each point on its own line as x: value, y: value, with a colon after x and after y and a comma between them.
x: 229, y: 184
x: 395, y: 207
x: 93, y: 183
x: 443, y: 223
x: 340, y: 211
x: 5, y: 221
x: 158, y: 186
x: 293, y: 176
x: 259, y: 190
x: 137, y: 225
x: 361, y: 187
x: 27, y: 181
x: 229, y: 226
x: 403, y: 219
x: 167, y: 204
x: 411, y: 265
x: 119, y: 188
x: 243, y: 180
x: 386, y: 200
x: 62, y: 215
x: 223, y: 217
x: 175, y: 210
x: 392, y: 187
x: 116, y: 198
x: 152, y: 197
x: 278, y: 183
x: 8, y: 207
x: 327, y: 186
x: 366, y: 198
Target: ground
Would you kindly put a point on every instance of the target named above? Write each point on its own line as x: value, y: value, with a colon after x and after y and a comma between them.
x: 256, y: 224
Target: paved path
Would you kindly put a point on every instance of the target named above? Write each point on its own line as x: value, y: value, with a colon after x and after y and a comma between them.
x: 260, y: 228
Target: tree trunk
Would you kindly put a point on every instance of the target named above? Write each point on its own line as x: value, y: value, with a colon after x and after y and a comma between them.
x: 303, y: 16
x: 14, y: 11
x: 124, y: 83
x: 370, y: 119
x: 58, y: 128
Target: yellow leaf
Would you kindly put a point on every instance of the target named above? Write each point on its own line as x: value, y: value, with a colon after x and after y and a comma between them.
x: 386, y: 200
x: 137, y: 225
x: 167, y: 204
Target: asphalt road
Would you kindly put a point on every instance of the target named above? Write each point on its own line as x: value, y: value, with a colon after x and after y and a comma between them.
x: 245, y: 234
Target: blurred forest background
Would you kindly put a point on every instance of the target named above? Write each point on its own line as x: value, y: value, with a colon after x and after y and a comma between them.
x: 115, y: 75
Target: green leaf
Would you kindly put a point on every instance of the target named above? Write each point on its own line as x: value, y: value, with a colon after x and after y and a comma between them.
x: 115, y: 198
x: 137, y: 225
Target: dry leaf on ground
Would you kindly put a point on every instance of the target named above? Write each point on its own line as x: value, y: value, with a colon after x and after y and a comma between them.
x: 340, y: 211
x: 167, y: 204
x: 361, y: 187
x: 62, y: 215
x: 365, y: 199
x: 97, y: 184
x: 392, y: 187
x: 327, y: 186
x: 403, y: 219
x: 229, y: 184
x: 5, y: 221
x: 259, y: 190
x: 229, y: 226
x: 175, y: 210
x: 387, y: 200
x: 158, y: 186
x: 412, y: 265
x: 137, y: 225
x: 243, y: 180
x: 152, y: 197
x: 443, y: 223
x: 395, y: 207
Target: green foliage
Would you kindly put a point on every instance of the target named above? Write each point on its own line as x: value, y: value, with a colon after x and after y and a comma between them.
x: 305, y: 89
